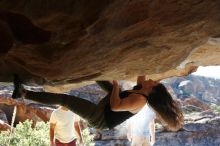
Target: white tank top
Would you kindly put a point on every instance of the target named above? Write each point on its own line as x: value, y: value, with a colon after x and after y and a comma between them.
x: 140, y: 122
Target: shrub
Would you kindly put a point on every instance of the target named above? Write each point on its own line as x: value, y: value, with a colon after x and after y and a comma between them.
x: 87, y: 138
x: 215, y: 108
x: 24, y: 135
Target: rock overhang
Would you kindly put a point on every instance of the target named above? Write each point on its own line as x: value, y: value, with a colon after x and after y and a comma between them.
x: 57, y: 44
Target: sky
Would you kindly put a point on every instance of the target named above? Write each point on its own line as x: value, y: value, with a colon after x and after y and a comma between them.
x: 209, y: 71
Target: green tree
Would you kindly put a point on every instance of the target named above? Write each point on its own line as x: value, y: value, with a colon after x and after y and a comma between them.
x: 88, y: 139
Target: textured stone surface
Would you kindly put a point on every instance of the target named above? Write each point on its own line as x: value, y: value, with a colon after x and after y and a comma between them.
x: 194, y: 101
x: 60, y: 42
x: 200, y: 133
x: 25, y: 110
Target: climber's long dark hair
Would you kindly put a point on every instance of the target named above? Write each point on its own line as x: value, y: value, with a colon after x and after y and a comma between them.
x: 167, y: 109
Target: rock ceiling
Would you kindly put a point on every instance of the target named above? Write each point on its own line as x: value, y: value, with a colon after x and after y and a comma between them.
x: 56, y: 43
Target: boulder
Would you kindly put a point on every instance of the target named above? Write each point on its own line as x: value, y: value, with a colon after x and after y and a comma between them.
x: 69, y: 43
x: 200, y: 133
x: 193, y: 101
x: 25, y: 110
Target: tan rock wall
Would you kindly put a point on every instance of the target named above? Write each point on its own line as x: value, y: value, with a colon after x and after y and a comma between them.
x: 62, y: 42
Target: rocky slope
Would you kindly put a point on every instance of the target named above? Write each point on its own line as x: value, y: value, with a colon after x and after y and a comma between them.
x: 199, y: 130
x: 205, y: 89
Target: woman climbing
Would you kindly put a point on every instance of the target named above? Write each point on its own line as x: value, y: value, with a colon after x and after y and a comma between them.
x: 116, y: 106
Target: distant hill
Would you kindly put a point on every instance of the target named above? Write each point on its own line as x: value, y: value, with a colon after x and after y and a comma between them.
x: 203, y: 88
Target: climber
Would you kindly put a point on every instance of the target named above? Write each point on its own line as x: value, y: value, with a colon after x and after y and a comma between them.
x: 116, y: 106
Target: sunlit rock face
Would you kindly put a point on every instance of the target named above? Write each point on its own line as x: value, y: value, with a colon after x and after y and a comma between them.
x: 24, y: 111
x: 60, y: 42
